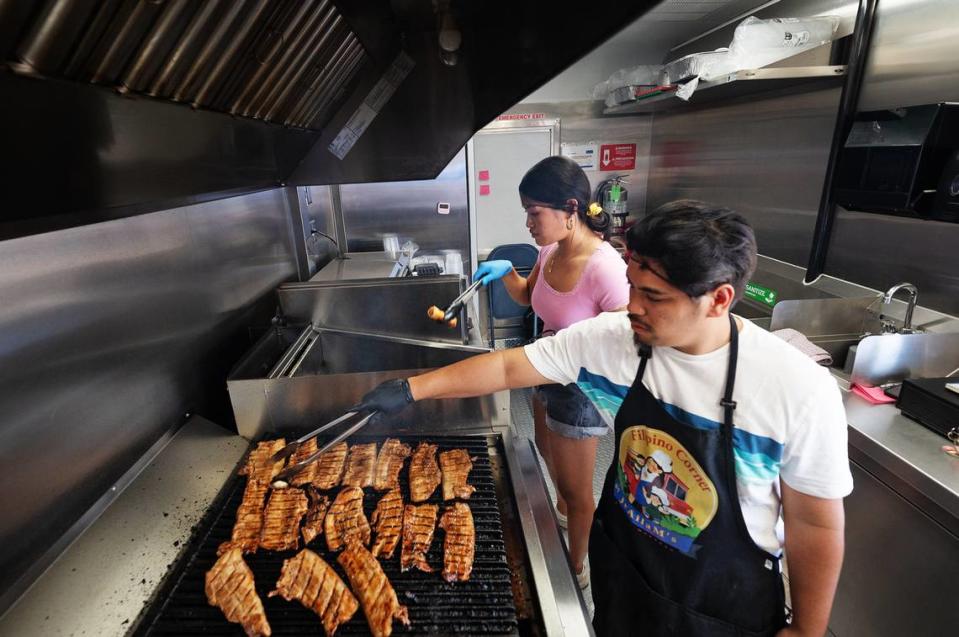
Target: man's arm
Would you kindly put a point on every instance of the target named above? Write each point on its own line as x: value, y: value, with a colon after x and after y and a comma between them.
x: 814, y: 547
x: 478, y: 376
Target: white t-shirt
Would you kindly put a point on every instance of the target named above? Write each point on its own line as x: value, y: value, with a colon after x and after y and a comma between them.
x: 789, y: 421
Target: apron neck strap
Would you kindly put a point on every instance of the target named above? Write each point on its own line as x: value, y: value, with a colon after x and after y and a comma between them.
x: 729, y: 405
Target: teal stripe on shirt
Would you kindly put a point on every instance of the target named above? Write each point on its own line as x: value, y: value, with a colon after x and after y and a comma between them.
x: 757, y: 458
x: 606, y: 395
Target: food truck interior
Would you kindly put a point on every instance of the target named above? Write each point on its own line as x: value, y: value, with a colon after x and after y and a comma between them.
x: 222, y: 222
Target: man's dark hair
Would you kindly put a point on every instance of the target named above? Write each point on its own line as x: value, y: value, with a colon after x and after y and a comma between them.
x: 700, y: 246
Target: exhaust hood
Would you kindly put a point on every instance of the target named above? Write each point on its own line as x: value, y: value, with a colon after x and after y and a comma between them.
x: 117, y: 107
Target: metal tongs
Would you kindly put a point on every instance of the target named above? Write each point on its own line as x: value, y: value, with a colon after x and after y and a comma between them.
x: 450, y: 313
x: 282, y: 479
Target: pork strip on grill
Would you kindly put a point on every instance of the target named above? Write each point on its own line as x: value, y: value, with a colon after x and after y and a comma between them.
x: 388, y: 523
x: 389, y: 462
x: 314, y: 583
x: 418, y: 524
x: 456, y: 466
x: 258, y: 465
x: 249, y: 518
x: 375, y: 591
x: 313, y: 524
x: 424, y: 472
x: 281, y: 520
x: 459, y: 544
x: 345, y: 521
x: 229, y: 587
x: 308, y: 473
x: 359, y: 465
x: 329, y: 467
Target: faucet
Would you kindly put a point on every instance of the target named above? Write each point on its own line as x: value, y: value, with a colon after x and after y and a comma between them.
x: 910, y: 308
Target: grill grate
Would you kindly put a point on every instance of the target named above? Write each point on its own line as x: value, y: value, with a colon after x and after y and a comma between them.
x: 483, y: 605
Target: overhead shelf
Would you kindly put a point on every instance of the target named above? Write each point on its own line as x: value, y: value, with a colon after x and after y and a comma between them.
x: 738, y: 84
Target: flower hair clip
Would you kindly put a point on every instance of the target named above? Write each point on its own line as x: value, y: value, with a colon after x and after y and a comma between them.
x: 594, y: 210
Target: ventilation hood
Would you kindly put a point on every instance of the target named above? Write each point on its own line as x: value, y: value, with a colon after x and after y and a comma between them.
x: 116, y: 107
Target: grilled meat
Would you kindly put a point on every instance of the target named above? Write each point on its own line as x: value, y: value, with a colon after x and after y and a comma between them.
x: 229, y: 586
x: 249, y: 518
x: 456, y: 466
x: 459, y: 544
x: 329, y: 467
x: 308, y: 473
x: 424, y: 472
x: 281, y: 520
x: 258, y: 465
x: 388, y: 522
x: 345, y: 520
x: 389, y: 462
x: 313, y: 524
x: 418, y: 524
x: 375, y: 591
x: 359, y: 466
x: 307, y: 578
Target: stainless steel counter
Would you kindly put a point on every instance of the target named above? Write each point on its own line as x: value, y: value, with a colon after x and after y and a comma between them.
x: 902, y: 518
x: 880, y: 437
x: 884, y: 441
x: 99, y: 584
x: 356, y: 265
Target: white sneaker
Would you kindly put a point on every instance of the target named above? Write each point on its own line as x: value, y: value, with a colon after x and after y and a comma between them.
x: 561, y: 519
x: 582, y: 578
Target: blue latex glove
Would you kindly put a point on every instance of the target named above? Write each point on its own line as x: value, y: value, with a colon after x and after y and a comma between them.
x: 489, y: 271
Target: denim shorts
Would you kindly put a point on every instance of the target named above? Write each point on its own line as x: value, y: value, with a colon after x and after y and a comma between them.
x: 570, y: 413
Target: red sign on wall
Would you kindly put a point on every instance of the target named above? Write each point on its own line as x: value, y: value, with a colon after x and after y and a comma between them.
x: 617, y: 157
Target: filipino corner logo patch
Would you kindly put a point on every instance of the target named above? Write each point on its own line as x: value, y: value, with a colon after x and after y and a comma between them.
x: 662, y: 489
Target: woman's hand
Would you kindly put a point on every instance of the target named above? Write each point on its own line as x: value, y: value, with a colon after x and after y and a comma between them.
x: 489, y: 271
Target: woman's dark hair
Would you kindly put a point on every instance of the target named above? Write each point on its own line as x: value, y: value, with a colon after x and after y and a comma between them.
x: 700, y: 246
x: 554, y: 180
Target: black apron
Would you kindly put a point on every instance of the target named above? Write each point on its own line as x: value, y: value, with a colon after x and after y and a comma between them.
x: 669, y: 550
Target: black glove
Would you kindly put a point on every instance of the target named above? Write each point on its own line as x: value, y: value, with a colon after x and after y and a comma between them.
x: 389, y: 397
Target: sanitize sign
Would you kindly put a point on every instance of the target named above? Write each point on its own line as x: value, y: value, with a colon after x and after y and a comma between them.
x: 762, y: 295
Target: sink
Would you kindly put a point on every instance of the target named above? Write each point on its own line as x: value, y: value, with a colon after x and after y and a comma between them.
x: 834, y: 324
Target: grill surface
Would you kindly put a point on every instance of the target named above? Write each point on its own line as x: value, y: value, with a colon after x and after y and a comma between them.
x: 483, y: 605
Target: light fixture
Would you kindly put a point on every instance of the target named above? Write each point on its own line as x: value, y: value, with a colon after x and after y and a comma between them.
x: 450, y: 38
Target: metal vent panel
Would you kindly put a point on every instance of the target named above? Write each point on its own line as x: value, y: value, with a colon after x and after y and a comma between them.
x: 286, y: 62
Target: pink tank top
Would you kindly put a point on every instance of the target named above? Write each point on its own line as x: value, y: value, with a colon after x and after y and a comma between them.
x: 602, y: 287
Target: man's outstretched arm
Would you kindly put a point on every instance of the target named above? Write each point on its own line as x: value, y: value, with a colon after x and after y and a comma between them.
x: 478, y: 376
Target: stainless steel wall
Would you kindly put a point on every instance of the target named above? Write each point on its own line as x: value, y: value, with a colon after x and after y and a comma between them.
x: 914, y: 59
x: 109, y: 333
x: 315, y: 205
x: 408, y: 208
x: 913, y: 55
x: 765, y: 158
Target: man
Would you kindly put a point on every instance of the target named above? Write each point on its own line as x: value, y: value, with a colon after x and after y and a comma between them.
x: 753, y: 431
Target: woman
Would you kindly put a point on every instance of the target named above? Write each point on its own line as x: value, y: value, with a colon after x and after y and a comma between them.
x: 577, y: 276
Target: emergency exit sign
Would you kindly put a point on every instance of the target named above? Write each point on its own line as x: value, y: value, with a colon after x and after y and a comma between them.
x: 617, y: 157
